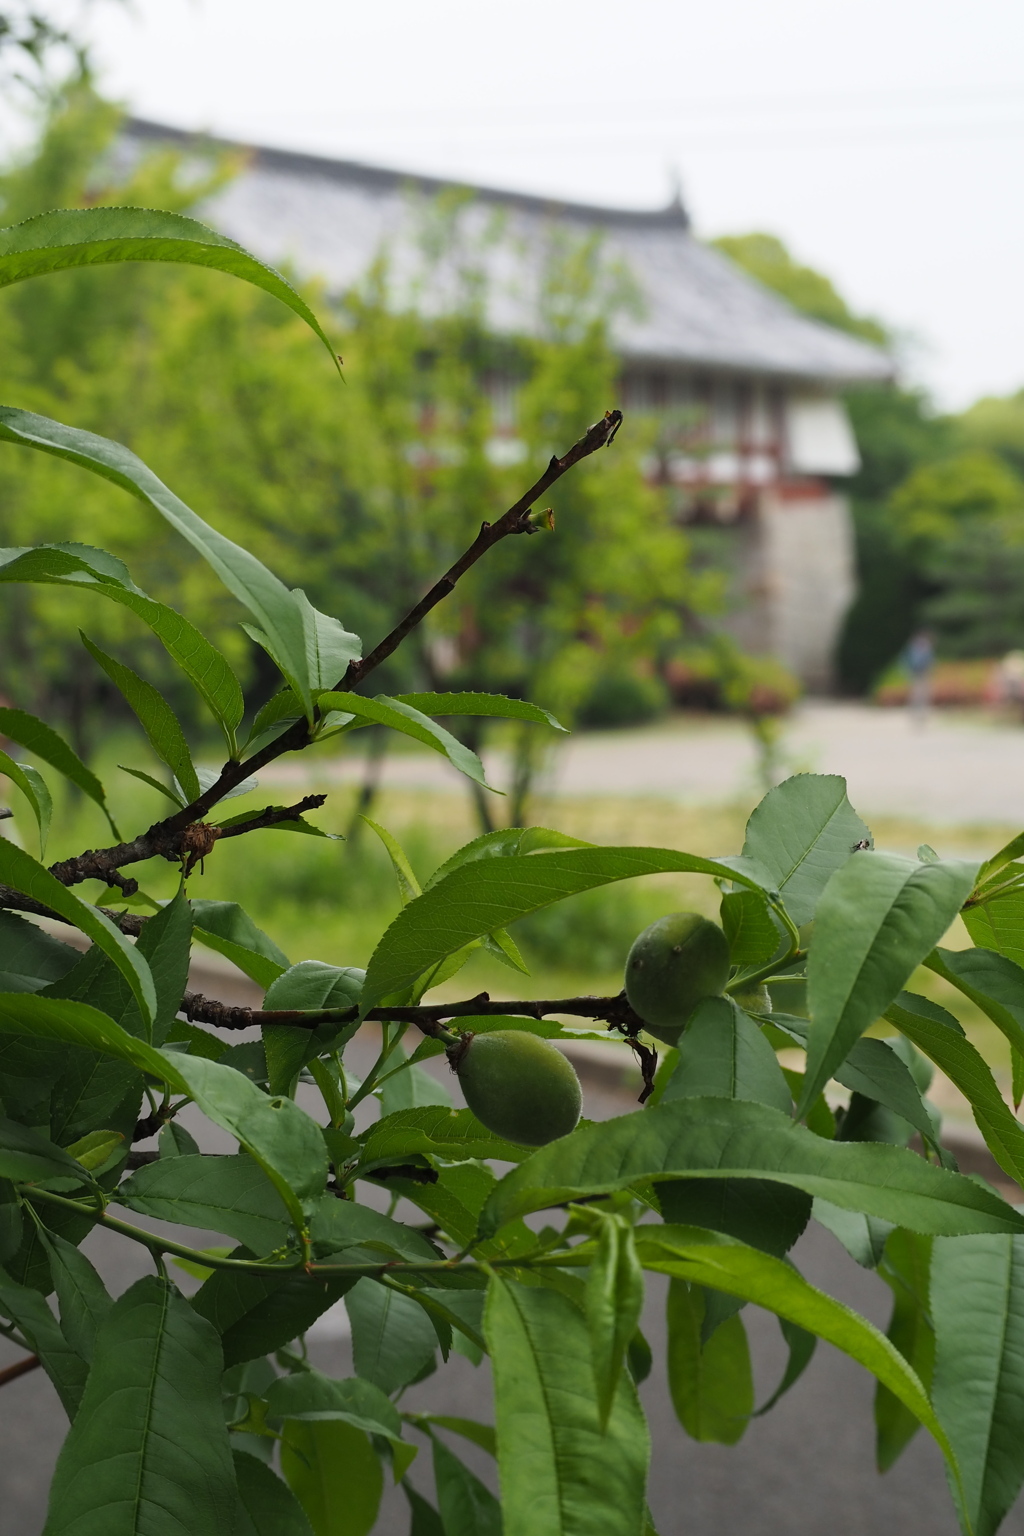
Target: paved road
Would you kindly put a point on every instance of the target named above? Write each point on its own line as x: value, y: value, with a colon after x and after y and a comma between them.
x: 956, y: 769
x: 804, y: 1470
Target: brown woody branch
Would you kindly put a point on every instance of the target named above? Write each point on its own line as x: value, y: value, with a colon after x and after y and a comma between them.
x: 129, y: 922
x: 19, y: 1368
x: 515, y: 520
x: 187, y: 845
x: 428, y: 1017
x: 185, y: 836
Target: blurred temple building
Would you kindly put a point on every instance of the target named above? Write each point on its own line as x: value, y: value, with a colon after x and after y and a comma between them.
x: 753, y: 438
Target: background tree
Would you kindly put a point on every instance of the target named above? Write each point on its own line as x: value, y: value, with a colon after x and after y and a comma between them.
x: 440, y: 419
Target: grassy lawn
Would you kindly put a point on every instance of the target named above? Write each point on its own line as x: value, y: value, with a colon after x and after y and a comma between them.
x: 330, y: 900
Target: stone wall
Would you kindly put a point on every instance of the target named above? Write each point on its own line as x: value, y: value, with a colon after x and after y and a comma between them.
x: 795, y: 577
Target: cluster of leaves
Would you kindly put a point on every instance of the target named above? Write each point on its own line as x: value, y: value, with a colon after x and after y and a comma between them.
x: 201, y: 1411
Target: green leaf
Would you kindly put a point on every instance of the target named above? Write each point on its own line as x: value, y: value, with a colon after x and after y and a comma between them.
x: 408, y: 885
x: 433, y: 1129
x: 999, y: 923
x: 88, y: 237
x: 905, y: 1270
x: 716, y: 1138
x: 231, y: 1195
x: 403, y: 717
x: 29, y: 1017
x: 271, y: 1507
x: 711, y: 1382
x: 467, y: 1507
x: 226, y: 928
x: 156, y: 716
x: 874, y: 1070
x: 27, y: 1155
x: 1006, y: 855
x: 802, y: 832
x: 37, y: 737
x: 33, y: 786
x: 31, y: 959
x: 724, y: 1055
x: 753, y: 937
x: 392, y: 1336
x: 863, y: 1237
x: 148, y: 1451
x: 725, y: 1265
x: 163, y: 789
x: 12, y: 1225
x: 280, y: 1136
x: 878, y: 918
x: 613, y: 1301
x: 493, y: 704
x: 205, y: 667
x: 330, y: 647
x: 801, y: 1346
x: 503, y: 844
x: 96, y: 1150
x: 410, y: 1087
x: 166, y: 943
x: 425, y: 1519
x: 28, y: 1310
x: 305, y: 987
x: 476, y: 898
x: 335, y: 1474
x: 479, y: 1434
x: 559, y: 1472
x: 311, y: 1395
x: 81, y: 1294
x: 939, y: 1036
x: 19, y: 870
x: 992, y: 981
x: 340, y: 1226
x: 758, y: 1211
x: 256, y: 1314
x: 267, y: 599
x: 202, y: 663
x: 977, y: 1307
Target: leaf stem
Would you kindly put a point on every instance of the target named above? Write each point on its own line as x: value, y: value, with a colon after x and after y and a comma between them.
x: 262, y: 1266
x: 751, y: 978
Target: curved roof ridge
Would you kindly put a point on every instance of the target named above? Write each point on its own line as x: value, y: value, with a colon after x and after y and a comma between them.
x: 385, y: 178
x: 699, y: 310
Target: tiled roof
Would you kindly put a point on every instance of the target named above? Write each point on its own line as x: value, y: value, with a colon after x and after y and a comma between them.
x: 330, y: 218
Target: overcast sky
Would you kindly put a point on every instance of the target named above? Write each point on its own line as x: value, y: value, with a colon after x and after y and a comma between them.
x: 881, y: 139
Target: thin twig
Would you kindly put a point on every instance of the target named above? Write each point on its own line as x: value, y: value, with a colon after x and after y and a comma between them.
x: 179, y: 836
x: 272, y: 816
x: 428, y: 1017
x: 515, y: 520
x: 19, y: 1368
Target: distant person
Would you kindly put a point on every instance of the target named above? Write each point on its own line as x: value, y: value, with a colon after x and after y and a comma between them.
x: 1011, y: 680
x: 919, y: 659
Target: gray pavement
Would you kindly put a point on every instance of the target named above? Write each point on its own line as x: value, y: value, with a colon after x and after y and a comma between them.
x: 956, y: 768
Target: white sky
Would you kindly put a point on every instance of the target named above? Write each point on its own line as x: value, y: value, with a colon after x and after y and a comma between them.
x: 881, y: 139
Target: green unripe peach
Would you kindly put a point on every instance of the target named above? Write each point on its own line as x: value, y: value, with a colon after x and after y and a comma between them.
x: 673, y: 965
x: 519, y: 1086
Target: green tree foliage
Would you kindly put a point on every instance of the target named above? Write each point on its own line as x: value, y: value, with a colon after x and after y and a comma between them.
x: 360, y: 501
x: 936, y: 502
x: 203, y: 1411
x: 768, y: 259
x: 995, y: 424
